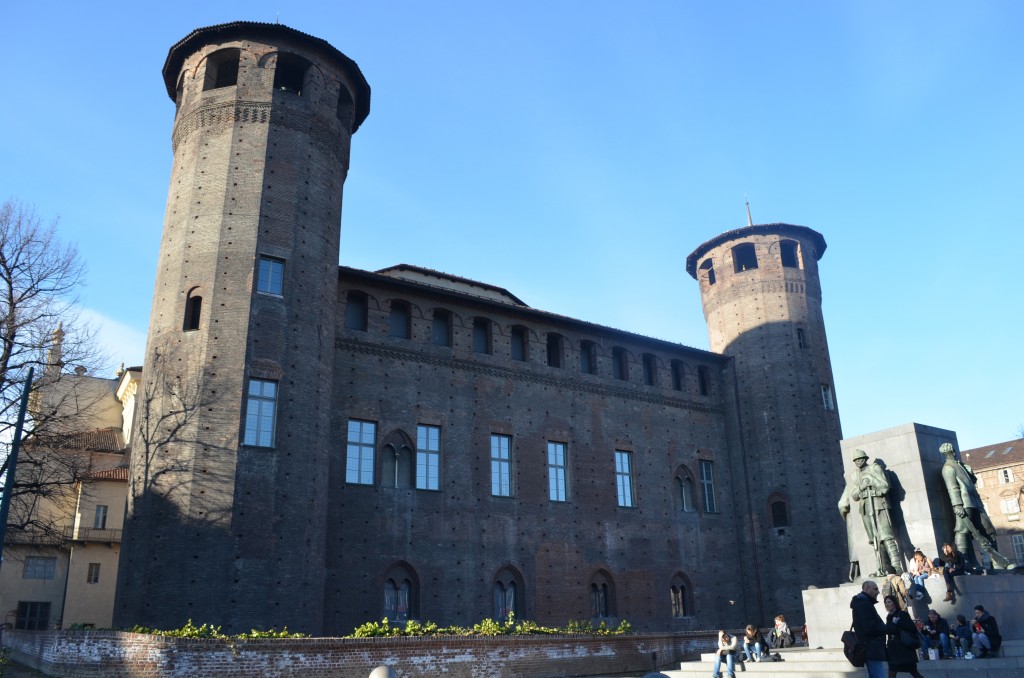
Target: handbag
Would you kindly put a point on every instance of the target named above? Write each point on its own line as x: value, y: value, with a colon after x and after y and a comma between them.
x: 854, y: 649
x: 910, y: 639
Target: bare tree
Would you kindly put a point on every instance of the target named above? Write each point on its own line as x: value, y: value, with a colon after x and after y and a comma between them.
x: 40, y: 277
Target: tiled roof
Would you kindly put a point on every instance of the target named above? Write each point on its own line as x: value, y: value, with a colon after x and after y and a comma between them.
x: 99, y: 440
x: 992, y: 456
x: 119, y: 473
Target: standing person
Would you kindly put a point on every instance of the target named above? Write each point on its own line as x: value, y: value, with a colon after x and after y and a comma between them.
x: 870, y: 628
x: 780, y: 636
x: 902, y: 658
x: 753, y: 638
x: 986, y: 632
x: 935, y: 634
x: 869, y: 485
x: 954, y: 567
x: 962, y: 634
x: 726, y: 652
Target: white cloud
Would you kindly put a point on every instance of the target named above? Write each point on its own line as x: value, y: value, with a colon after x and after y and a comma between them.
x: 121, y: 343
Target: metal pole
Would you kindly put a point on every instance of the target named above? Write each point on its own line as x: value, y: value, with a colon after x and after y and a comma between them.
x: 12, y: 462
x: 874, y: 523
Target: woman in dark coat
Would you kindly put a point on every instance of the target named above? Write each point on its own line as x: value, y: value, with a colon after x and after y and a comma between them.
x: 901, y: 658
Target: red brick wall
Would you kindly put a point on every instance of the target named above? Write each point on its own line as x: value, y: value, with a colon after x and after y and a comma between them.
x: 112, y: 654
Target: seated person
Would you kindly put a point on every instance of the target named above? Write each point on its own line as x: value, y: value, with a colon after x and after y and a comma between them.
x: 962, y: 634
x: 935, y: 634
x: 920, y: 568
x: 754, y: 644
x: 986, y: 632
x: 726, y: 652
x: 952, y: 566
x: 780, y: 636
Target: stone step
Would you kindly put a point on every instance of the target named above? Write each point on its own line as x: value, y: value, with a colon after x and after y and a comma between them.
x: 814, y: 663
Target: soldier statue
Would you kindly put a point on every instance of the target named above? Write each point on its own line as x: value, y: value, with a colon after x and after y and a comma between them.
x: 869, y: 485
x: 971, y: 519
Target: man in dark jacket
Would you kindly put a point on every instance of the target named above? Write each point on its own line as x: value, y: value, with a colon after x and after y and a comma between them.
x: 986, y: 632
x: 935, y: 634
x: 870, y: 628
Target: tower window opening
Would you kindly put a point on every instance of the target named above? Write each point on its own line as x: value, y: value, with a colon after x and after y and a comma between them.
x: 356, y: 305
x: 709, y: 267
x: 346, y: 105
x: 744, y: 258
x: 518, y: 342
x: 400, y: 320
x: 650, y: 369
x: 703, y: 380
x: 441, y: 328
x: 290, y: 73
x: 801, y: 338
x: 193, y: 311
x: 677, y: 375
x: 789, y: 252
x: 588, y: 357
x: 481, y: 335
x: 826, y: 398
x: 620, y: 368
x: 222, y: 69
x: 270, y: 276
x: 554, y: 349
x: 779, y: 513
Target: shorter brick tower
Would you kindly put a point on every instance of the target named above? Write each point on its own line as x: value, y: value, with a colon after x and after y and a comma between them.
x: 230, y: 459
x: 762, y: 303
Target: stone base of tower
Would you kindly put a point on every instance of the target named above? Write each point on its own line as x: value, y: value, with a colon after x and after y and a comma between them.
x: 827, y: 611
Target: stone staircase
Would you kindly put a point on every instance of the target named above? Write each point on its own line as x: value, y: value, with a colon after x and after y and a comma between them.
x: 803, y: 662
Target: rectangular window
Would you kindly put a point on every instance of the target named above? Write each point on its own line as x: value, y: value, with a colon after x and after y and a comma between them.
x: 359, y: 458
x: 1005, y: 476
x: 94, y: 574
x: 501, y: 466
x: 400, y: 320
x: 554, y: 350
x: 556, y: 471
x: 38, y: 567
x: 517, y: 343
x: 440, y: 329
x: 826, y: 398
x: 270, y: 277
x: 707, y: 485
x: 100, y: 521
x: 260, y: 413
x: 677, y: 375
x: 588, y: 357
x: 481, y: 335
x: 1018, y: 548
x: 703, y: 380
x: 624, y: 477
x: 1010, y: 506
x: 801, y: 338
x: 428, y: 457
x: 650, y: 367
x: 32, y: 616
x: 620, y: 368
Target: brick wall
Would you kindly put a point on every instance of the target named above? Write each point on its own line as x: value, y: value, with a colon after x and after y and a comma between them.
x: 112, y: 654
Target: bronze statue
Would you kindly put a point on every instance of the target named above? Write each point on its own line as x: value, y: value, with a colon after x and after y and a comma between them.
x: 870, y: 486
x: 971, y: 519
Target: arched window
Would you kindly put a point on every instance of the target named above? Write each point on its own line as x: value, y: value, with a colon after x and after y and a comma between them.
x: 518, y: 342
x: 789, y: 253
x: 356, y: 304
x: 401, y: 594
x: 620, y: 364
x: 222, y: 69
x: 397, y: 464
x: 290, y: 73
x: 193, y: 310
x: 778, y: 511
x: 681, y: 595
x: 744, y: 258
x: 709, y: 270
x: 400, y: 319
x: 602, y: 595
x: 684, y: 490
x: 507, y: 594
x: 346, y: 106
x: 441, y: 328
x: 703, y: 380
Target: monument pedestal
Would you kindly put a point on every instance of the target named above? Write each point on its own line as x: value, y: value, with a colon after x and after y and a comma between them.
x: 827, y: 611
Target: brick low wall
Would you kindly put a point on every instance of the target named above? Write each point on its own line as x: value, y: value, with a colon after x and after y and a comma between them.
x: 113, y: 654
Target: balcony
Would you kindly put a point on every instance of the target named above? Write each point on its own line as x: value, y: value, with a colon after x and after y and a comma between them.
x: 92, y: 534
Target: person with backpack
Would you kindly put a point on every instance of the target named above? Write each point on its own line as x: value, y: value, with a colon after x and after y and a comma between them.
x: 894, y: 586
x: 899, y: 628
x: 870, y: 628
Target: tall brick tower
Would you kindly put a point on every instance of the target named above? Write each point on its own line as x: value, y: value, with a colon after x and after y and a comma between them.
x: 226, y: 513
x: 762, y: 303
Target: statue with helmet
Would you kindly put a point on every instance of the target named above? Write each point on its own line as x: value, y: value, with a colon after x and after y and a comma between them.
x: 972, y: 522
x: 869, y: 486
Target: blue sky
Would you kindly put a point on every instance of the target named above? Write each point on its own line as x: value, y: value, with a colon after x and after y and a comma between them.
x: 576, y: 152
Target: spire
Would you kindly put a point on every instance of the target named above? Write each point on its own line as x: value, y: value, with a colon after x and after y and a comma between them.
x: 750, y: 222
x: 55, y: 358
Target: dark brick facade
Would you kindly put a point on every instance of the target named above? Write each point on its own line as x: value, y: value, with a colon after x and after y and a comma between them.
x: 286, y: 533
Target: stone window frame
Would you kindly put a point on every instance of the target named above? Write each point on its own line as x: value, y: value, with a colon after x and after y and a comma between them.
x: 361, y: 440
x: 501, y: 465
x: 602, y: 595
x: 684, y: 490
x: 260, y: 409
x: 93, y: 575
x: 270, y: 276
x: 681, y: 596
x: 624, y: 483
x: 707, y: 485
x: 428, y: 457
x: 507, y: 593
x: 558, y: 471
